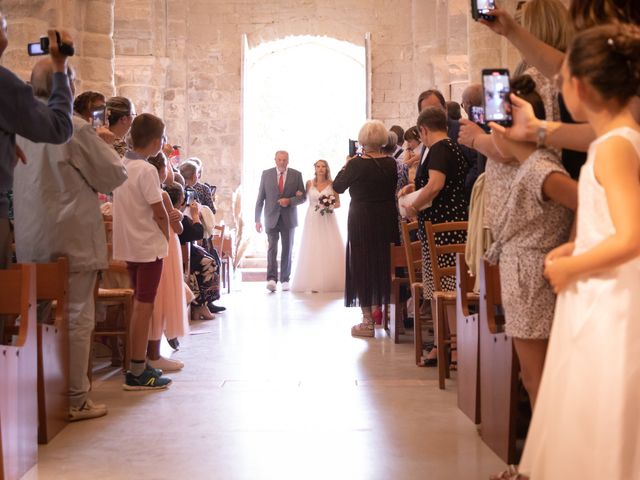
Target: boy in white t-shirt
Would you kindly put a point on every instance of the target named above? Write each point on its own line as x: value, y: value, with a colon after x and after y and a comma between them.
x: 140, y: 234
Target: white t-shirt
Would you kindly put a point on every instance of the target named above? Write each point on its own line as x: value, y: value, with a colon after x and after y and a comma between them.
x: 136, y: 235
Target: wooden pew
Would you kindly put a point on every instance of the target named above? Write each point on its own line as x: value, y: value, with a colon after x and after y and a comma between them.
x: 18, y: 374
x: 468, y: 339
x: 393, y: 314
x: 53, y: 351
x: 499, y: 385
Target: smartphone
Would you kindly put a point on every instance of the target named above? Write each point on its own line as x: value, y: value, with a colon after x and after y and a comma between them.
x: 98, y: 118
x: 353, y: 148
x: 188, y: 196
x: 477, y: 115
x: 482, y: 8
x: 496, y: 91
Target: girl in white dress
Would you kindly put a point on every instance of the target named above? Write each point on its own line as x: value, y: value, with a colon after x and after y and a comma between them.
x: 321, y: 261
x: 586, y: 422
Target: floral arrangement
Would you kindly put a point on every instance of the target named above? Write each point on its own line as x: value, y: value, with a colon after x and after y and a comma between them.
x: 326, y: 204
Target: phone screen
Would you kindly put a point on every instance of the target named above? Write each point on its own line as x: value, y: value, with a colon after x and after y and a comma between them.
x: 34, y: 49
x: 98, y: 118
x: 497, y: 107
x: 477, y: 114
x: 485, y: 6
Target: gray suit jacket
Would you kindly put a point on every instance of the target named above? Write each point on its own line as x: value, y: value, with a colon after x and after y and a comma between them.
x: 268, y: 196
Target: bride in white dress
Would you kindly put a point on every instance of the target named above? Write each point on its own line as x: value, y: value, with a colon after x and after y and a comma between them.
x: 321, y: 261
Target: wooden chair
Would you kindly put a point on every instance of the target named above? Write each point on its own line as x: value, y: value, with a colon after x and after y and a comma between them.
x: 116, y: 326
x: 227, y: 255
x: 468, y: 376
x: 394, y: 313
x: 413, y: 252
x: 499, y: 385
x: 53, y: 350
x: 443, y: 302
x: 224, y: 257
x: 18, y: 374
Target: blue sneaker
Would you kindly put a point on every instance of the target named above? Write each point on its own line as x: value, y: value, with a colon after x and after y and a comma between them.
x: 148, y: 380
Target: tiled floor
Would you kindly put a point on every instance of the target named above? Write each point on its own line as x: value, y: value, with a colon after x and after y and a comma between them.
x: 276, y: 388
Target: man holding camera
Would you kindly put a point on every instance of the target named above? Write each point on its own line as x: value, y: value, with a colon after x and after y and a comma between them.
x: 22, y: 114
x: 57, y: 212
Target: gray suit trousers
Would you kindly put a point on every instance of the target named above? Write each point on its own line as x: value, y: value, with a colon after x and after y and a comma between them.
x: 285, y: 234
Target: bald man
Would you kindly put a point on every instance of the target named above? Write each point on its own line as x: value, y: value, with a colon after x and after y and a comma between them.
x: 22, y: 114
x: 57, y: 212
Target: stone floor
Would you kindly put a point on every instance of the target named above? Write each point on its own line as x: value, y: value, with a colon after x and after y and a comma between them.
x: 275, y: 388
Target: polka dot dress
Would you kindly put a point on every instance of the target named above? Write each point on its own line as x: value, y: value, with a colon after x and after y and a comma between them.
x: 450, y: 205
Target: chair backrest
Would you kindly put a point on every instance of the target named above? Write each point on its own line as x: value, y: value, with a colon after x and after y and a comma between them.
x: 53, y: 284
x: 413, y: 252
x: 435, y: 250
x: 18, y: 297
x: 397, y: 256
x: 219, y: 240
x: 108, y: 231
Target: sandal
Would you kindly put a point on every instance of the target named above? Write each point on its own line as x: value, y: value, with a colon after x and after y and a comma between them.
x: 364, y: 329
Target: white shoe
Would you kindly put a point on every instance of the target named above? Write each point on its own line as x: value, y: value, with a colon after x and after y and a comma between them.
x: 271, y: 285
x: 166, y: 364
x: 86, y: 411
x: 285, y: 286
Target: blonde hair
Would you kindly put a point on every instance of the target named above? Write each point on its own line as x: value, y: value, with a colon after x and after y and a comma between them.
x: 315, y: 175
x: 548, y: 20
x: 373, y: 135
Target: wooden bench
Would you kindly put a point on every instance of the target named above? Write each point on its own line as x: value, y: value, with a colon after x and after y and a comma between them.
x: 468, y: 343
x: 53, y: 350
x: 499, y: 384
x: 394, y: 312
x: 18, y: 373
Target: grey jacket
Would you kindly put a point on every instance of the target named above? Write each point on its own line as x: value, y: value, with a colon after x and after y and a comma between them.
x: 21, y: 113
x: 268, y: 196
x: 56, y: 202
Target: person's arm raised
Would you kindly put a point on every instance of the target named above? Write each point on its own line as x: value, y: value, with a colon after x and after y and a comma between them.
x: 534, y: 51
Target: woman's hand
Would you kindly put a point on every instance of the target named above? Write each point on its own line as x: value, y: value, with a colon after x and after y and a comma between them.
x: 556, y: 266
x: 558, y: 273
x: 410, y: 212
x: 194, y: 209
x: 503, y: 24
x: 525, y: 124
x: 564, y: 250
x: 406, y: 190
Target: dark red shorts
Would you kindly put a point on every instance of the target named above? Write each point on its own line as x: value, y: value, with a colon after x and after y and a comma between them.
x: 145, y: 278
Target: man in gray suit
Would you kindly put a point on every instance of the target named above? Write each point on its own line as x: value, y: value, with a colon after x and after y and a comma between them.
x: 281, y: 191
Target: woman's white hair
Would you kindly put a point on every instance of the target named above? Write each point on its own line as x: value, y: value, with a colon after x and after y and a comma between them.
x: 373, y: 135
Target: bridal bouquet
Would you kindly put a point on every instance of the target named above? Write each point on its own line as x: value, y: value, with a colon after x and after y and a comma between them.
x: 325, y: 204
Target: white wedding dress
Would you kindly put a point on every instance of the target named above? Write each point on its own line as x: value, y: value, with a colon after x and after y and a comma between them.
x: 321, y: 257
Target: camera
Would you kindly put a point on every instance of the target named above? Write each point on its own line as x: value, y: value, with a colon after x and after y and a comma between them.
x: 98, y: 118
x: 189, y: 193
x: 496, y: 90
x: 42, y: 47
x: 481, y: 8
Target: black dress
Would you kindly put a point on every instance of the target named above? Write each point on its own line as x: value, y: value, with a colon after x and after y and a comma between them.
x: 450, y: 205
x: 372, y: 226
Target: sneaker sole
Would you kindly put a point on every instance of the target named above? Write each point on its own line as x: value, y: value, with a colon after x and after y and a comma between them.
x: 86, y: 417
x: 135, y: 388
